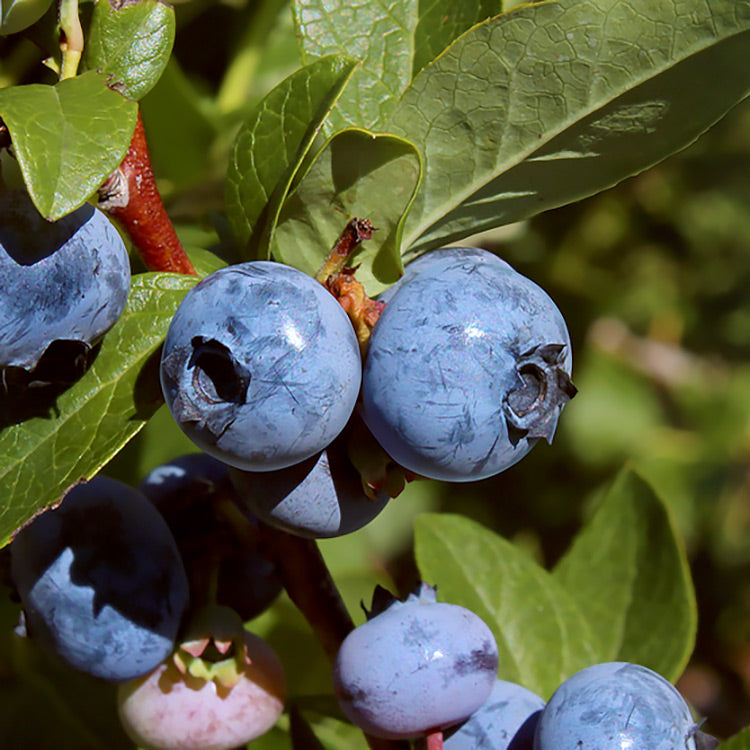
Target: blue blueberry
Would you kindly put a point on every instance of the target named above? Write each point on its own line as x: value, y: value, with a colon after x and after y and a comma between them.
x: 101, y: 581
x: 321, y: 497
x: 415, y: 666
x: 436, y: 259
x: 196, y: 499
x: 505, y: 721
x: 467, y: 367
x: 261, y: 367
x: 62, y: 281
x: 614, y: 706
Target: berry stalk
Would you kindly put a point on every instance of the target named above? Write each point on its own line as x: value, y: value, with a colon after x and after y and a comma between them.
x: 309, y: 584
x: 130, y: 195
x: 339, y: 279
x: 434, y: 740
x: 354, y: 234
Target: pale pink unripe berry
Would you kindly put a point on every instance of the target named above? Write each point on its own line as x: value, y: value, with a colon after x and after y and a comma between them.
x: 168, y: 710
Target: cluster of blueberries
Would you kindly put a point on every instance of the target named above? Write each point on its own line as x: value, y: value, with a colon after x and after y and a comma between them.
x: 420, y: 665
x: 466, y: 369
x: 467, y: 366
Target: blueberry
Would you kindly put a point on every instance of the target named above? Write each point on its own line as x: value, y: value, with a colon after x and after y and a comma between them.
x: 261, y: 366
x: 101, y: 581
x: 614, y: 706
x: 505, y: 721
x: 62, y: 281
x: 196, y: 499
x: 415, y: 666
x: 321, y: 497
x: 436, y: 259
x: 467, y: 367
x: 192, y: 473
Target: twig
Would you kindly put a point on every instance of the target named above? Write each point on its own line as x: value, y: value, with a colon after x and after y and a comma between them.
x: 130, y: 195
x: 310, y: 586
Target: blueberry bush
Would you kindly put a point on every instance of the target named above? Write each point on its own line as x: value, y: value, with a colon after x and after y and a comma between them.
x: 597, y: 150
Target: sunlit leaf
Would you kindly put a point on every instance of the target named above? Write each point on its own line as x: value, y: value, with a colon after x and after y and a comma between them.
x: 272, y: 145
x: 130, y: 44
x: 557, y: 100
x: 627, y: 569
x: 68, y: 138
x: 542, y: 635
x: 44, y: 455
x: 393, y: 39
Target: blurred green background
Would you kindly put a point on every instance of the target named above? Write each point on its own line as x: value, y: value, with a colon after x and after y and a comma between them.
x: 653, y: 279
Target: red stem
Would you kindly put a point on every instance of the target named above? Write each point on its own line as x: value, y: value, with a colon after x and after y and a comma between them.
x: 130, y: 195
x: 434, y: 740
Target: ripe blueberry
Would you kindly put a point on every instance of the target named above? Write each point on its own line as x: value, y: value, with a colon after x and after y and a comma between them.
x: 505, y: 721
x: 62, y: 281
x: 261, y: 366
x: 613, y: 706
x: 467, y: 367
x: 321, y: 497
x: 415, y: 666
x: 101, y: 581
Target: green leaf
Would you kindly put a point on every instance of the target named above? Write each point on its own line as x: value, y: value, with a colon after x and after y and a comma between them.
x: 541, y: 633
x: 740, y: 741
x: 131, y: 44
x: 357, y: 174
x: 628, y: 571
x: 393, y: 39
x: 42, y: 456
x: 272, y: 144
x: 557, y: 100
x: 380, y: 34
x: 68, y: 138
x: 443, y: 21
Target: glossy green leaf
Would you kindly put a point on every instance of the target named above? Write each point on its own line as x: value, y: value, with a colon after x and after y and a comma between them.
x: 380, y: 34
x: 541, y: 633
x: 272, y: 144
x: 68, y: 138
x: 628, y: 571
x: 557, y: 100
x: 42, y: 456
x: 17, y: 15
x: 357, y: 174
x: 393, y: 39
x: 131, y: 44
x: 740, y: 741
